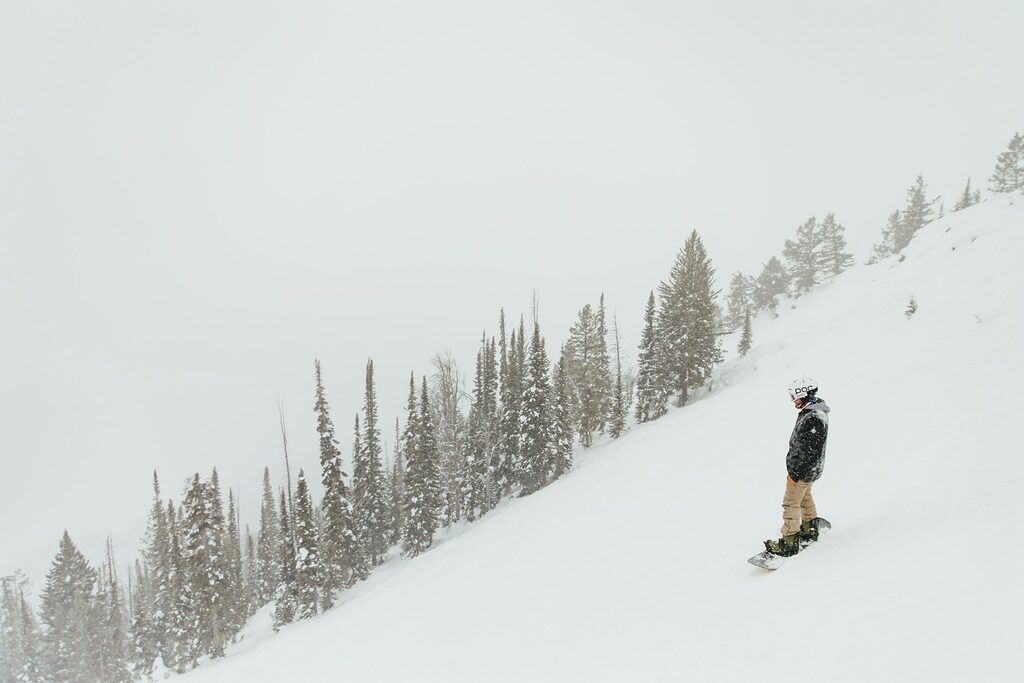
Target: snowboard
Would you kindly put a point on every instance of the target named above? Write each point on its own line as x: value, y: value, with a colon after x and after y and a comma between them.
x: 767, y: 560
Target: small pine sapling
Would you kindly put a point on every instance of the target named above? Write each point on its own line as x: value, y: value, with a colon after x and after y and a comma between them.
x: 911, y: 307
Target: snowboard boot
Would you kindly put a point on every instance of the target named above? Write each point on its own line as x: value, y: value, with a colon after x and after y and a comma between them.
x: 786, y: 546
x: 808, y: 531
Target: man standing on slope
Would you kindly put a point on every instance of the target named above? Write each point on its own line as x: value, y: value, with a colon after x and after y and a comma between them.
x: 804, y: 462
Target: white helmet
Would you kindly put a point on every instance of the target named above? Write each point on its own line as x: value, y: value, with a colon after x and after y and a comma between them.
x: 802, y: 387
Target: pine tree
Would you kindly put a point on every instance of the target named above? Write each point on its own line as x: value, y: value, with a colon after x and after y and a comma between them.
x: 620, y: 405
x: 537, y: 432
x: 968, y: 198
x: 492, y: 421
x: 887, y: 246
x: 338, y: 546
x: 517, y: 368
x: 157, y: 555
x: 741, y: 291
x: 361, y: 559
x: 176, y: 598
x: 604, y: 369
x: 370, y: 508
x: 563, y: 421
x: 916, y: 215
x: 235, y: 610
x: 144, y: 647
x: 1009, y: 172
x: 422, y: 480
x: 285, y: 602
x: 200, y: 561
x: 250, y: 570
x: 650, y: 393
x: 268, y: 569
x: 686, y: 321
x: 478, y: 451
x: 834, y: 257
x: 65, y: 604
x: 107, y: 627
x: 770, y: 284
x: 396, y: 488
x: 307, y: 557
x: 747, y: 338
x: 584, y: 375
x: 803, y: 256
x: 508, y: 422
x: 18, y: 633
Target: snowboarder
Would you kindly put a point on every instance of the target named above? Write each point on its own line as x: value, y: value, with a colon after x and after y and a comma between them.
x: 804, y: 463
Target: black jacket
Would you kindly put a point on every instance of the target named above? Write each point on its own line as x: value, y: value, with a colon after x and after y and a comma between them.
x: 806, y: 458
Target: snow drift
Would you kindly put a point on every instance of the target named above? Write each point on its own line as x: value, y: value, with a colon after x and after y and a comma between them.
x: 634, y: 566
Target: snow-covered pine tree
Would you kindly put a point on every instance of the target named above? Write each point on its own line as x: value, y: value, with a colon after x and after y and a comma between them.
x: 370, y: 509
x: 235, y: 612
x: 338, y: 546
x: 307, y: 556
x: 1009, y: 172
x: 396, y: 488
x: 492, y: 414
x: 517, y: 377
x: 538, y: 433
x: 157, y: 555
x: 508, y: 431
x: 585, y: 380
x: 803, y: 256
x: 564, y: 431
x: 143, y: 647
x: 916, y: 215
x: 890, y: 233
x: 107, y: 627
x: 18, y: 633
x: 604, y: 368
x: 686, y: 322
x: 747, y: 337
x: 620, y: 404
x: 285, y: 603
x: 474, y: 488
x: 834, y: 257
x: 219, y: 558
x: 422, y: 477
x: 200, y: 562
x: 650, y: 393
x: 361, y: 558
x: 741, y: 291
x: 967, y: 198
x: 176, y: 598
x: 268, y: 543
x: 770, y: 284
x: 66, y: 652
x: 250, y: 568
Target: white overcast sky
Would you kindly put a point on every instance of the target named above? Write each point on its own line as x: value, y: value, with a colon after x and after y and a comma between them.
x: 199, y: 197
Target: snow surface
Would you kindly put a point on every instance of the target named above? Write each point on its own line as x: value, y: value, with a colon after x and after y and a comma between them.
x: 633, y: 568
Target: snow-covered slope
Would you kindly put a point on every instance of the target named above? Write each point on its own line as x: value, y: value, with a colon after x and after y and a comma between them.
x: 633, y: 567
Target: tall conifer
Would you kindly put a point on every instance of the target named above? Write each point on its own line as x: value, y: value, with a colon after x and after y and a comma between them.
x: 422, y: 480
x: 285, y: 602
x: 308, y: 567
x: 537, y: 435
x: 338, y: 546
x: 268, y: 571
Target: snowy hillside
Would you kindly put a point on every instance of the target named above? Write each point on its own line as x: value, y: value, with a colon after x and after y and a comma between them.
x: 634, y: 566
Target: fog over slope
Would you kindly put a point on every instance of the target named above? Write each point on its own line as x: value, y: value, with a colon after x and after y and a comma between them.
x: 633, y: 566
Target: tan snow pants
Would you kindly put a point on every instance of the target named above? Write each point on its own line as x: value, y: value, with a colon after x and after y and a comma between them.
x: 797, y: 504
